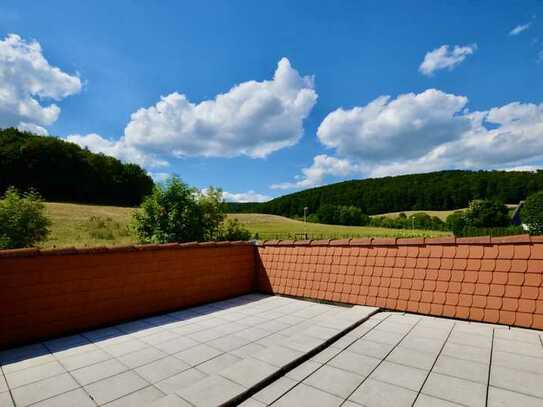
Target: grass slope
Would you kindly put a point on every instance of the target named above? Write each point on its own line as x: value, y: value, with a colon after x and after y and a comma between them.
x: 278, y: 227
x: 88, y: 225
x: 94, y: 225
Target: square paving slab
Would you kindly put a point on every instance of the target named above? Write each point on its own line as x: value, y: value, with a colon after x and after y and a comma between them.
x: 396, y: 360
x: 258, y: 350
x: 202, y: 356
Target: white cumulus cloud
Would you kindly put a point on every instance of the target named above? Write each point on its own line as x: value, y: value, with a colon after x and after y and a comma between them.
x: 118, y: 149
x: 445, y: 57
x: 520, y: 28
x: 252, y: 119
x: 425, y: 132
x: 502, y: 137
x: 404, y: 127
x: 249, y: 196
x: 27, y: 83
x: 323, y: 166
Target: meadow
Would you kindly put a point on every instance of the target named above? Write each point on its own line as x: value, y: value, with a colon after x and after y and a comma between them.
x: 95, y: 225
x: 88, y: 225
x: 279, y: 227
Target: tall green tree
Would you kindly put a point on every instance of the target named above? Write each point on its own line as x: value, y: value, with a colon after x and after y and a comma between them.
x: 176, y: 212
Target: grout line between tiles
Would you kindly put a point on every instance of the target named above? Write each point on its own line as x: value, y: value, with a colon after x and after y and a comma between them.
x: 240, y: 398
x: 72, y: 376
x: 489, y: 367
x: 7, y: 385
x: 433, y: 364
x: 328, y: 360
x: 380, y: 362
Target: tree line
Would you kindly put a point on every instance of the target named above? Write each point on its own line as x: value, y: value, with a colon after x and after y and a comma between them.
x: 442, y: 190
x: 63, y: 171
x: 482, y: 217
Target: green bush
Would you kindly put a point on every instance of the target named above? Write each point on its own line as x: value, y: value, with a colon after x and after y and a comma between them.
x: 327, y: 214
x: 342, y: 215
x: 531, y: 213
x: 487, y: 214
x: 175, y: 212
x: 419, y: 220
x: 352, y: 216
x: 456, y: 222
x: 23, y: 222
x: 232, y: 230
x: 470, y: 231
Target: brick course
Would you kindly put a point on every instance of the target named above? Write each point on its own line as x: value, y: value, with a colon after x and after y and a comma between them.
x: 54, y: 292
x: 497, y: 280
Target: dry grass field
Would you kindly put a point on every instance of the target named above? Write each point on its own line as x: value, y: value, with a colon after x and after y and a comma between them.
x: 88, y: 225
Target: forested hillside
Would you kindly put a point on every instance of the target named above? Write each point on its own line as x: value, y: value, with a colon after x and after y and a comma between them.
x: 62, y: 171
x: 443, y: 190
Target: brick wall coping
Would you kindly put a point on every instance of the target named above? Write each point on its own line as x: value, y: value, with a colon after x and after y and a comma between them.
x: 30, y: 252
x: 481, y: 240
x: 447, y: 240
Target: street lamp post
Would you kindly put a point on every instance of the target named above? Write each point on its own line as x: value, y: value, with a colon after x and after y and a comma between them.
x: 305, y: 221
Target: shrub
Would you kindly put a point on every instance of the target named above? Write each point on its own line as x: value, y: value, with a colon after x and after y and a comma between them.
x: 456, y: 222
x: 342, y: 215
x: 421, y: 220
x: 175, y: 212
x: 352, y: 216
x: 470, y: 231
x: 487, y: 214
x: 531, y: 213
x: 327, y: 214
x: 23, y: 222
x: 232, y: 230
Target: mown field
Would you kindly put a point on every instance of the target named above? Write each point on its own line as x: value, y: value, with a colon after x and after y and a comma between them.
x: 278, y: 227
x: 94, y: 225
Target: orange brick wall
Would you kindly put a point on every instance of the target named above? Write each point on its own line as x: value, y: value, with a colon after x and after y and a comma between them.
x: 495, y: 280
x: 54, y: 292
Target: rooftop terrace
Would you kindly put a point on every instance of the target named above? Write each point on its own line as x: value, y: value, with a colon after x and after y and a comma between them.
x: 439, y: 322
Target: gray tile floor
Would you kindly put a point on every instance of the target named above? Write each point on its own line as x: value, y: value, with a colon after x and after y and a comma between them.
x: 395, y: 360
x: 202, y: 356
x: 207, y: 355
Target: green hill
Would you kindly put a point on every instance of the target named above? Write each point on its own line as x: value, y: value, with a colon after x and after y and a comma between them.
x: 436, y: 191
x: 63, y: 171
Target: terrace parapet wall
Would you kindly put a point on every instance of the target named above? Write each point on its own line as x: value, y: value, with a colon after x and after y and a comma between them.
x: 495, y: 280
x: 47, y: 293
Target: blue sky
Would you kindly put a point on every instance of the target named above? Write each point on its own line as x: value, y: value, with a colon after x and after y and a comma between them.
x: 463, y: 80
